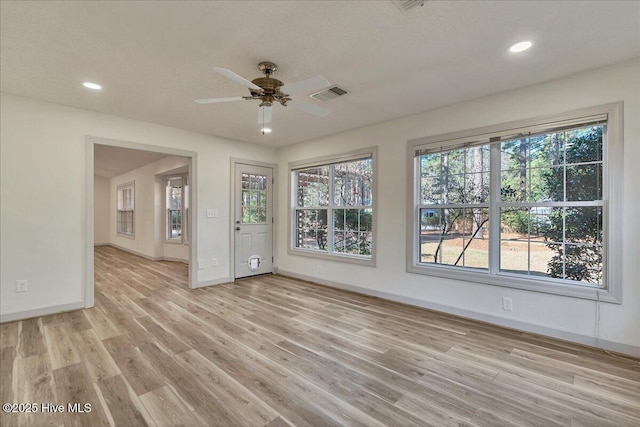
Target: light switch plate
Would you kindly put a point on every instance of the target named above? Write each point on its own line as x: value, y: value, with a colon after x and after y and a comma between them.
x: 21, y: 285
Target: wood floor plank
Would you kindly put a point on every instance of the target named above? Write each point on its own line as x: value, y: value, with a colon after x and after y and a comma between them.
x: 7, y: 361
x: 61, y: 349
x: 190, y: 390
x: 278, y: 422
x: 290, y: 396
x: 164, y: 337
x: 276, y: 351
x: 134, y: 367
x: 35, y: 385
x: 597, y: 406
x: 9, y: 334
x: 232, y: 403
x: 120, y: 402
x: 102, y: 325
x: 74, y: 385
x: 31, y: 341
x: 168, y: 410
x: 95, y: 357
x: 77, y: 320
x: 433, y: 413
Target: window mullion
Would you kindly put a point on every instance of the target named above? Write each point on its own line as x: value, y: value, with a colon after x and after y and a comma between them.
x: 494, y: 209
x: 417, y: 202
x: 294, y: 226
x: 330, y: 213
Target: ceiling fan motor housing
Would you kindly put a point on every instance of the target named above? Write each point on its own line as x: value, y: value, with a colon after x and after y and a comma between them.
x: 270, y: 86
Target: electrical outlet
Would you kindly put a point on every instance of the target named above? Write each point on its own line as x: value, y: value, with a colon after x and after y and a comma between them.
x: 21, y: 285
x: 214, y: 262
x: 507, y: 304
x: 319, y: 270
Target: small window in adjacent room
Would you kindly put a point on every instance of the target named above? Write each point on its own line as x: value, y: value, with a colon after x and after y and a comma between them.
x: 333, y: 207
x: 532, y: 205
x: 177, y: 208
x: 126, y: 210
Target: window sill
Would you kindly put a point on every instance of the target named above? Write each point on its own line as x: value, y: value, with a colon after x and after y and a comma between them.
x: 351, y: 259
x: 174, y: 242
x: 517, y: 282
x: 127, y: 236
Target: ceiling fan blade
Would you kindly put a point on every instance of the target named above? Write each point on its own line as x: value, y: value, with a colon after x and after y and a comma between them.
x: 309, y: 85
x: 236, y: 78
x: 264, y: 115
x: 316, y: 110
x: 217, y: 100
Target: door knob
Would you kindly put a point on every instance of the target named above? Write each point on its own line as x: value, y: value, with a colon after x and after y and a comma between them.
x: 237, y: 228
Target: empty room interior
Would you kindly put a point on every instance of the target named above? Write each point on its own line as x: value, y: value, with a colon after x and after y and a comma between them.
x: 320, y: 213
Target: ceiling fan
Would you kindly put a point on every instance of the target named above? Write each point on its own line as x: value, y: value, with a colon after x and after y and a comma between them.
x: 270, y: 90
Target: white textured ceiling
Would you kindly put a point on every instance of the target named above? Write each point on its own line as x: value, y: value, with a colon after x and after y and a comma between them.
x: 114, y: 161
x: 155, y: 58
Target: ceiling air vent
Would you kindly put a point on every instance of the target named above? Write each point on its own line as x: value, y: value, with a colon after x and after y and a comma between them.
x: 408, y: 4
x: 329, y: 93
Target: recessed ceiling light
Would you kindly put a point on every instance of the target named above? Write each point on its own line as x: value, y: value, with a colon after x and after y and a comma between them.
x: 520, y: 47
x: 266, y: 130
x: 93, y: 86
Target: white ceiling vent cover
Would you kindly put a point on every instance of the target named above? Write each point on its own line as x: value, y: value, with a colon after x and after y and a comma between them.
x: 405, y: 5
x: 329, y: 93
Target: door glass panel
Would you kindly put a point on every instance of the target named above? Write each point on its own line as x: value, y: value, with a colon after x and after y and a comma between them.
x: 254, y: 199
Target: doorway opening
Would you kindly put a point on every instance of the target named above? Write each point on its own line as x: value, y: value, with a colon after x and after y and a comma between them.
x: 140, y: 199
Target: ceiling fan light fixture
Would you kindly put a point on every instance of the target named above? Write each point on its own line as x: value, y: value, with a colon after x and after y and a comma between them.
x: 266, y: 130
x: 93, y: 86
x: 520, y: 46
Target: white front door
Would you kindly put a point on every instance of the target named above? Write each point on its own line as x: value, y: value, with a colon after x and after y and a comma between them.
x: 253, y: 221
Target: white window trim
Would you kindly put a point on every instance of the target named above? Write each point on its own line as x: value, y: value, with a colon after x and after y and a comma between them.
x: 322, y: 161
x: 612, y: 199
x: 184, y: 238
x: 120, y: 187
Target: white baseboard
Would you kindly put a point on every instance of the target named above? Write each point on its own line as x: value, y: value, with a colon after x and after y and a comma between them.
x: 618, y: 347
x: 166, y: 258
x: 213, y: 282
x: 42, y: 311
x: 143, y: 255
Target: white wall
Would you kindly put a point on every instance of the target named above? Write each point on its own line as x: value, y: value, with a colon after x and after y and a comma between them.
x: 149, y: 239
x: 42, y: 189
x: 101, y: 210
x: 570, y: 317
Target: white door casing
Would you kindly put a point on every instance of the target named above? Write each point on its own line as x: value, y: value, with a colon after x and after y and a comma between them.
x: 253, y: 220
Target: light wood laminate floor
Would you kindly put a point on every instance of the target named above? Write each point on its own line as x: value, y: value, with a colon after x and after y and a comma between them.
x: 273, y: 351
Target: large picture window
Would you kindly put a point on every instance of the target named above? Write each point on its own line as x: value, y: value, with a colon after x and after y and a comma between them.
x: 126, y: 210
x: 530, y: 207
x: 333, y: 207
